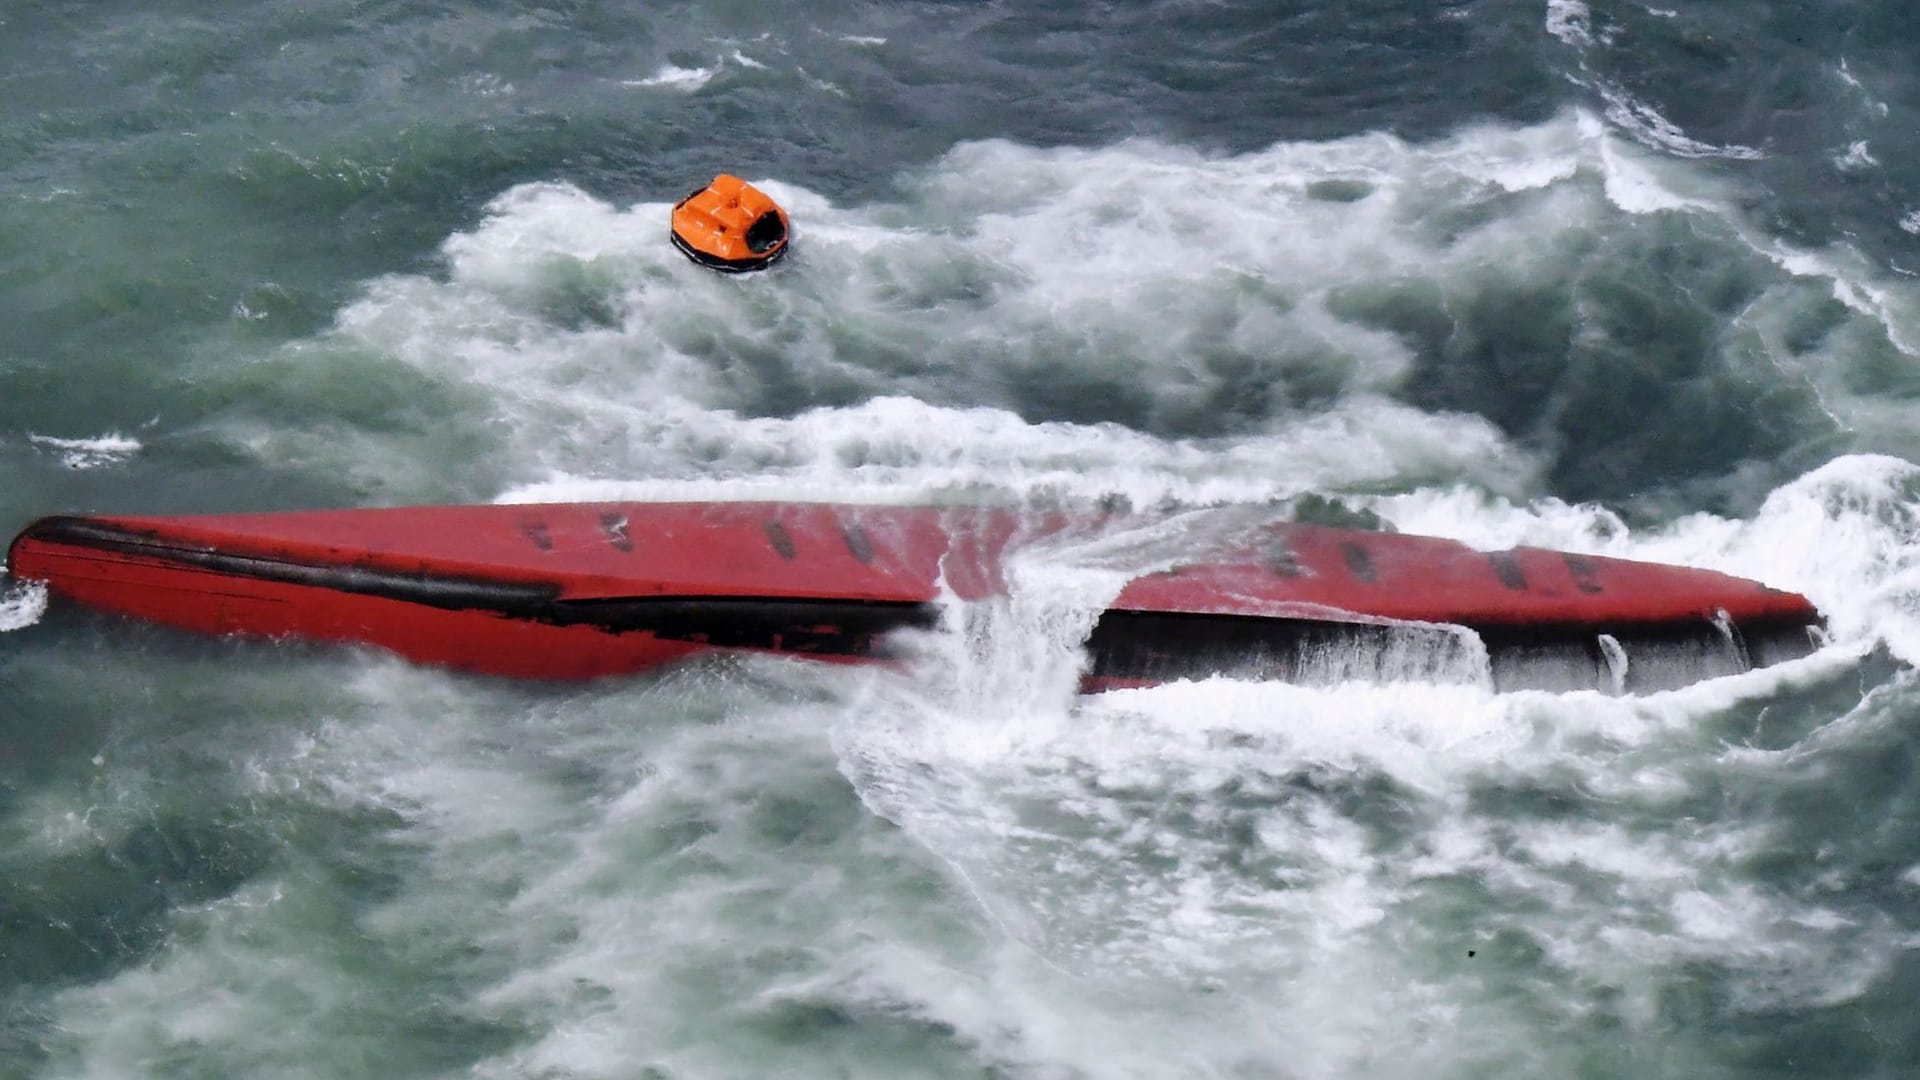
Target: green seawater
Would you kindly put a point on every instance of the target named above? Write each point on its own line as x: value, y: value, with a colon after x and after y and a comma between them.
x: 1597, y: 276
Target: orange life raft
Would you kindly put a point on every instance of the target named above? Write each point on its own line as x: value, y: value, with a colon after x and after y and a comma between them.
x: 730, y: 225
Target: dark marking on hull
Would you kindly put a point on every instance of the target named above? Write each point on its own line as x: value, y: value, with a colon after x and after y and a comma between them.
x: 1280, y: 558
x: 1359, y: 563
x: 1507, y: 569
x: 536, y: 531
x: 781, y: 540
x: 615, y: 526
x: 858, y: 545
x: 1586, y: 573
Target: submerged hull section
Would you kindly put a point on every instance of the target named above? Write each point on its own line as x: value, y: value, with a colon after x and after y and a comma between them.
x: 571, y: 591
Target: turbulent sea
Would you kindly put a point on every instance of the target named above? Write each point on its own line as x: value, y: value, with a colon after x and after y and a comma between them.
x: 1621, y: 278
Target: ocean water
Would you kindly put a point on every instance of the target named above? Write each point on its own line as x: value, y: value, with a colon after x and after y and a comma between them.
x: 1627, y: 278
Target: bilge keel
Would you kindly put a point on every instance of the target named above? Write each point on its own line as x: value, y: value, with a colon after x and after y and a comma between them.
x: 578, y: 590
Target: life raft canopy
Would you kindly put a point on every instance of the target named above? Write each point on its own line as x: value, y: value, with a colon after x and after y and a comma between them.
x: 730, y: 226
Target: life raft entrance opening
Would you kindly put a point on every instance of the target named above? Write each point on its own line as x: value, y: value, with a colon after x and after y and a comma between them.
x: 767, y: 231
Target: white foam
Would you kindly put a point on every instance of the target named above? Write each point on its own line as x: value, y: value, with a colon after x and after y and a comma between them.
x: 96, y: 452
x: 1645, y: 123
x: 1662, y: 900
x: 1857, y: 158
x: 1101, y: 834
x: 617, y: 370
x: 1874, y: 105
x: 1200, y: 877
x: 899, y: 449
x: 210, y: 997
x: 630, y: 397
x: 486, y: 84
x: 952, y: 296
x: 21, y: 604
x: 673, y: 77
x: 1633, y: 185
x: 821, y: 84
x: 1890, y: 304
x: 1570, y: 21
x: 1194, y: 879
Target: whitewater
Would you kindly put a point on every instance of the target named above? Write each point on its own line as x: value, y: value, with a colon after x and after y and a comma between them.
x: 1599, y: 277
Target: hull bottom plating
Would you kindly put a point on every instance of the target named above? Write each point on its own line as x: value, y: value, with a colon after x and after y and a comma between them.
x: 548, y: 619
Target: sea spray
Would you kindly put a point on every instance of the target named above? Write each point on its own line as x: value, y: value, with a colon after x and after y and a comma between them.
x: 89, y: 453
x: 21, y: 603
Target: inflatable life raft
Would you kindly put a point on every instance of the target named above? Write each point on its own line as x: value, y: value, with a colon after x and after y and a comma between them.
x: 731, y: 226
x: 579, y: 590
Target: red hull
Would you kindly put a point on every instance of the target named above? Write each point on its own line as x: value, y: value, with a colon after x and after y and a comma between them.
x: 580, y: 590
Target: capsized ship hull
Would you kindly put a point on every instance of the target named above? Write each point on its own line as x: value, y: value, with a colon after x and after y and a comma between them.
x: 579, y: 590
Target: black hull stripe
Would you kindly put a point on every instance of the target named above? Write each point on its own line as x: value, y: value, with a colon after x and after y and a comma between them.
x: 446, y: 591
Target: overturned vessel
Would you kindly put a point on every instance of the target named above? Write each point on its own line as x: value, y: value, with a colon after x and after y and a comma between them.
x: 578, y: 590
x: 730, y: 226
